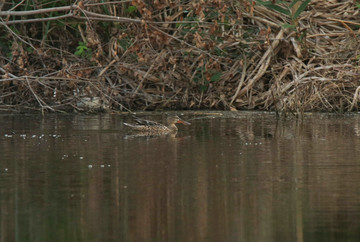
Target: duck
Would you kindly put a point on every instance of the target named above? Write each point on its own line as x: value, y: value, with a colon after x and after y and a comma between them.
x: 155, y: 128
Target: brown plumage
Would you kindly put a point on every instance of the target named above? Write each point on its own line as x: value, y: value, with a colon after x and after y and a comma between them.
x: 151, y: 127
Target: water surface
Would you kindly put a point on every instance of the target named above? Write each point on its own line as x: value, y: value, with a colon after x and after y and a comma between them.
x: 230, y: 176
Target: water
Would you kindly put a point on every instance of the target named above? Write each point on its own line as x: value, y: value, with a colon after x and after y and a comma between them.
x: 227, y: 177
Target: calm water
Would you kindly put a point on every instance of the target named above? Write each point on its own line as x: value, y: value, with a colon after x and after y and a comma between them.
x: 227, y: 177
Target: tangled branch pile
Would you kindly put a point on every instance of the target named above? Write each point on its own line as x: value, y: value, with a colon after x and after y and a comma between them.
x: 162, y: 54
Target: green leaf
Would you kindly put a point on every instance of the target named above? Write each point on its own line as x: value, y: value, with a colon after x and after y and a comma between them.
x: 29, y: 50
x: 81, y: 49
x: 216, y: 77
x: 289, y: 26
x: 131, y: 9
x: 301, y: 9
x: 274, y: 7
x: 203, y: 88
x: 293, y: 3
x: 124, y: 43
x: 279, y: 9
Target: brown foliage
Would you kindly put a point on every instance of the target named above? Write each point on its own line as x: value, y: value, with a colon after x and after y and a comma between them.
x: 179, y: 55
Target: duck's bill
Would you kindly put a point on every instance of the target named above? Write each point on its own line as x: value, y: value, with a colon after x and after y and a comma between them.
x: 183, y: 122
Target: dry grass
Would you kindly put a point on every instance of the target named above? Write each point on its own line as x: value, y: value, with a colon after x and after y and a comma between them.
x: 219, y: 55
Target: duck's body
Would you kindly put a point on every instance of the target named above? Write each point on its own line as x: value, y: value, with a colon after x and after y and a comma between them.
x: 151, y: 127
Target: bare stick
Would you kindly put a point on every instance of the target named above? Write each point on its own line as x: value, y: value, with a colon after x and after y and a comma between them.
x: 40, y: 101
x: 243, y: 75
x: 262, y: 66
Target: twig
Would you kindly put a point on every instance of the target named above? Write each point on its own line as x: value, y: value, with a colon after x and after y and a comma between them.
x: 243, y: 75
x: 38, y: 11
x: 39, y: 100
x: 355, y: 99
x: 23, y: 21
x: 262, y: 66
x: 17, y: 5
x: 4, y: 71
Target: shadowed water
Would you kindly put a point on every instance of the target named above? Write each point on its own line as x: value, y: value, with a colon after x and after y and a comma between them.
x: 230, y: 176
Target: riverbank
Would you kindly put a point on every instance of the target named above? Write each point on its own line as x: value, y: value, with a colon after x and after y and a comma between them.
x: 148, y: 55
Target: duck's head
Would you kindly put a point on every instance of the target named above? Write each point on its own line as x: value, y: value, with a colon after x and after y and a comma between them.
x: 176, y: 120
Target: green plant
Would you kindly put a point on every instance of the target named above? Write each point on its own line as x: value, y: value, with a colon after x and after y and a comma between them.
x: 203, y: 78
x: 131, y: 9
x: 216, y: 76
x: 292, y: 9
x: 83, y: 51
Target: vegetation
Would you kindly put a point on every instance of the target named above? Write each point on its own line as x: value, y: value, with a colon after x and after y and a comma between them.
x: 290, y: 56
